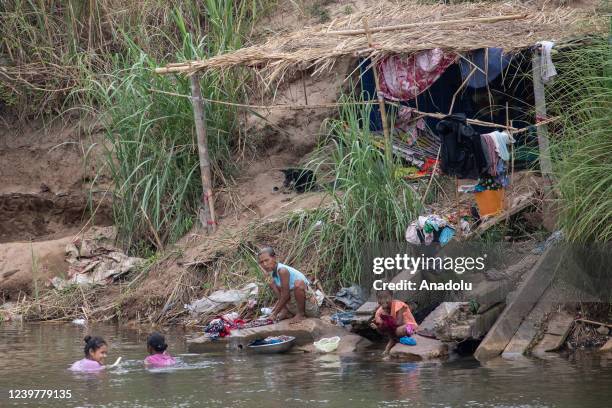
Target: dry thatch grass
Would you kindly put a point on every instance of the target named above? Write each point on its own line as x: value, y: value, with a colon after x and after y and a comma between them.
x: 319, y: 47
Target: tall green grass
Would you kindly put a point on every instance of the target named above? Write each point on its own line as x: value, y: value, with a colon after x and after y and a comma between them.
x: 369, y: 203
x: 582, y: 95
x: 153, y: 159
x: 98, y: 57
x: 50, y: 49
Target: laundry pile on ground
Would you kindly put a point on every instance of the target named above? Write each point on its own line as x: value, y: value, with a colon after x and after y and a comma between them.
x: 222, y: 326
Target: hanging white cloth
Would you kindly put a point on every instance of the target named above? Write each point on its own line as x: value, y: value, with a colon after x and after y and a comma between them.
x: 547, y: 68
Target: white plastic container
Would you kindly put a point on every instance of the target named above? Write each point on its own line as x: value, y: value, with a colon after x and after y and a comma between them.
x: 327, y: 344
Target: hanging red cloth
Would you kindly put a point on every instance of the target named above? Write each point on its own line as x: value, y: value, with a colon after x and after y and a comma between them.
x: 403, y: 77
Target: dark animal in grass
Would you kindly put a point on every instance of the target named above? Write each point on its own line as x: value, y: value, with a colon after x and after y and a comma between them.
x: 300, y: 180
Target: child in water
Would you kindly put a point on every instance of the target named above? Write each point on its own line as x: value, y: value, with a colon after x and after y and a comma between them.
x: 158, y: 357
x: 393, y: 318
x: 95, y: 352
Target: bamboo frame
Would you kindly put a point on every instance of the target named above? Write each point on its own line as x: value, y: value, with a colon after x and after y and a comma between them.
x: 207, y: 215
x: 381, y: 101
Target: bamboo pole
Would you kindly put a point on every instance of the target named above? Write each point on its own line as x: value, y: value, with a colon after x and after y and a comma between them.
x: 483, y: 20
x: 208, y: 216
x: 381, y: 101
x: 338, y: 104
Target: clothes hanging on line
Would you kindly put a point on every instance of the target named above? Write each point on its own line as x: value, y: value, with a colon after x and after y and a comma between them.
x: 495, y: 148
x: 461, y: 152
x: 547, y: 68
x: 403, y: 78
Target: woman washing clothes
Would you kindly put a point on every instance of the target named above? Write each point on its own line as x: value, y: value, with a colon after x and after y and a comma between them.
x: 393, y: 318
x: 295, y: 297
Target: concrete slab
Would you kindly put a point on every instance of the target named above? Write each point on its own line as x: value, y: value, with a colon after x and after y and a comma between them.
x: 559, y: 327
x: 425, y: 349
x: 437, y: 318
x: 528, y: 330
x: 536, y: 281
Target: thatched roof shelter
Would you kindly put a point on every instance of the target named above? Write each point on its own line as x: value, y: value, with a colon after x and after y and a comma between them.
x: 403, y: 29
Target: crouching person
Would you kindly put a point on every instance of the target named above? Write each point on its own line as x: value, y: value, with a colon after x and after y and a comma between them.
x: 393, y: 318
x: 295, y: 298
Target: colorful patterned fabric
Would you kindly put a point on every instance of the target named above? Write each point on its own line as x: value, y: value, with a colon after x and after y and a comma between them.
x: 404, y: 77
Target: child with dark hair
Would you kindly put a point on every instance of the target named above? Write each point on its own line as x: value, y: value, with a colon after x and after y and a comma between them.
x: 393, y: 318
x: 158, y: 357
x: 95, y: 351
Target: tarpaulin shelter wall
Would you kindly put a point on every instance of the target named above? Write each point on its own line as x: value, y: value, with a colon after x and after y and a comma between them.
x: 514, y: 87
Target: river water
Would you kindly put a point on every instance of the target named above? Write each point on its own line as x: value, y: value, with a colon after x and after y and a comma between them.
x: 36, y: 356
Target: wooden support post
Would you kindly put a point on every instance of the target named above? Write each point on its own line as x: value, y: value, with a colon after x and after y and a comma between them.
x: 540, y: 112
x: 543, y: 142
x: 381, y: 101
x: 207, y: 216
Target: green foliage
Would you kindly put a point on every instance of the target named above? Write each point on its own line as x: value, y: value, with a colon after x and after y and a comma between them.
x: 369, y: 203
x: 582, y: 95
x: 150, y: 138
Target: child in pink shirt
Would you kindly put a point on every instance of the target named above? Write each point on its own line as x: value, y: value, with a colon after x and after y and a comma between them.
x: 95, y: 352
x: 158, y: 357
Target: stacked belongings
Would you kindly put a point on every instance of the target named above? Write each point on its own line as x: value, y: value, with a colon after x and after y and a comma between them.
x: 414, y: 143
x: 489, y: 191
x: 432, y: 228
x: 466, y: 154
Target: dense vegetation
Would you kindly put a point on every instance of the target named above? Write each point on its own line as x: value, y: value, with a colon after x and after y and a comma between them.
x: 97, y: 57
x: 582, y: 147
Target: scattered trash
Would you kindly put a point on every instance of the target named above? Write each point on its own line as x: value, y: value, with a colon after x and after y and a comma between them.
x: 465, y: 226
x: 94, y: 264
x: 79, y: 322
x: 467, y: 188
x: 320, y: 297
x: 426, y: 229
x: 408, y: 341
x: 266, y: 311
x: 343, y: 318
x: 221, y: 299
x: 446, y: 235
x: 554, y: 238
x: 352, y: 297
x: 327, y: 344
x: 231, y: 317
